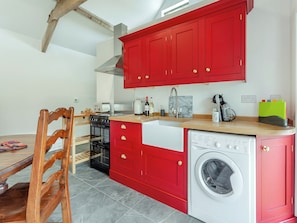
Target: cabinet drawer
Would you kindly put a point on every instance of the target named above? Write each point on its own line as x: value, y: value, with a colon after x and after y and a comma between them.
x: 123, y: 145
x: 123, y: 131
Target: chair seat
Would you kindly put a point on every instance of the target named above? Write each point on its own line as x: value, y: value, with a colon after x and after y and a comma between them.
x: 14, y: 201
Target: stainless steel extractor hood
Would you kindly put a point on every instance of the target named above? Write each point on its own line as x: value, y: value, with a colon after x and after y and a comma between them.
x: 115, y: 64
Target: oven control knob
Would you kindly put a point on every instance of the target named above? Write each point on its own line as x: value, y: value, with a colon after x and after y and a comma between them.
x: 236, y: 147
x: 229, y: 146
x: 217, y: 144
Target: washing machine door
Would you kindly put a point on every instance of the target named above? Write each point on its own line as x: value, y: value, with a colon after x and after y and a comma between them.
x: 218, y: 176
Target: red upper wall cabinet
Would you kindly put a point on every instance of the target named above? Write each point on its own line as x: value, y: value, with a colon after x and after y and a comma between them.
x: 134, y: 63
x: 204, y: 45
x: 157, y: 57
x: 222, y: 50
x: 145, y: 60
x: 184, y: 57
x: 164, y: 57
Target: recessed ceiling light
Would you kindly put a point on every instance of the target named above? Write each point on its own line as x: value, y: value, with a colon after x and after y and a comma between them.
x: 174, y: 7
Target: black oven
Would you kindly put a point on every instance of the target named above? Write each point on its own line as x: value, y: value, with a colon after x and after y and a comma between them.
x: 99, y: 144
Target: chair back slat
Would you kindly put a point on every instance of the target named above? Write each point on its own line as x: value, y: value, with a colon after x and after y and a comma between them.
x: 46, y: 186
x: 51, y: 161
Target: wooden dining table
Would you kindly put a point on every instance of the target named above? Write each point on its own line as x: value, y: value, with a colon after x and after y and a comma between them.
x: 13, y: 161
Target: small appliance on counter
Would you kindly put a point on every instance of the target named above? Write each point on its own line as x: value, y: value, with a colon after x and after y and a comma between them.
x: 102, y: 107
x: 226, y: 113
x: 138, y: 107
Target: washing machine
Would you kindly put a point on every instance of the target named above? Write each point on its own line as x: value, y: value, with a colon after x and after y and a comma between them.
x: 222, y: 177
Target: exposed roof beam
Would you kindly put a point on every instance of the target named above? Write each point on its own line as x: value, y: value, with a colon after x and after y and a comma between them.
x: 94, y: 18
x: 48, y: 34
x: 62, y: 7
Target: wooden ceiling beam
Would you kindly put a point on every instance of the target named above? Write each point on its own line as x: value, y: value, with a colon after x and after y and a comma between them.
x: 62, y: 7
x: 48, y: 35
x: 94, y: 18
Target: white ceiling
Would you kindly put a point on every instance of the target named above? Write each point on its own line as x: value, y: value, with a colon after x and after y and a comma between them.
x: 29, y: 17
x: 74, y: 31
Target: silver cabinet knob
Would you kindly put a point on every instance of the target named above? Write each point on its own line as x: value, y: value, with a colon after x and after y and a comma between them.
x: 207, y: 69
x: 195, y: 71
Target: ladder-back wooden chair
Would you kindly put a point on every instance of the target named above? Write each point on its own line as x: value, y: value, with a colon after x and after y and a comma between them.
x: 48, y: 187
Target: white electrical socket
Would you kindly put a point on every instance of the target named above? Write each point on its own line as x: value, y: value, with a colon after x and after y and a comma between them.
x: 248, y: 99
x: 275, y: 97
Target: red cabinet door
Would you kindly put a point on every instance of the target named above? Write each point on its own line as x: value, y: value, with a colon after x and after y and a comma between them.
x: 222, y: 45
x: 134, y: 63
x: 184, y: 53
x: 157, y: 58
x: 164, y: 169
x: 275, y: 174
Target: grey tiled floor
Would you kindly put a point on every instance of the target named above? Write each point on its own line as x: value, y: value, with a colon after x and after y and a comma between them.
x: 95, y: 198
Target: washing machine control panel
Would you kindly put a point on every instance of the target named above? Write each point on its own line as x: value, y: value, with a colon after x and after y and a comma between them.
x: 222, y: 141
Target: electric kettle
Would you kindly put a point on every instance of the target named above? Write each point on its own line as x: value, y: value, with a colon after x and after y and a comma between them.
x: 138, y: 108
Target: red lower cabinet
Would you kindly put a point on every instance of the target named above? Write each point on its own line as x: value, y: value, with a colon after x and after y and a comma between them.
x: 156, y: 172
x: 125, y: 140
x: 164, y: 170
x: 275, y: 179
x: 162, y: 174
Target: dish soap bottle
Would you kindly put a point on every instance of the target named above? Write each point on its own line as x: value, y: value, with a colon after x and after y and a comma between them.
x: 151, y: 105
x: 146, y: 107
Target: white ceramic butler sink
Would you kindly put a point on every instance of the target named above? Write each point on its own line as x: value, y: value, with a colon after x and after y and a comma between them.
x: 164, y: 134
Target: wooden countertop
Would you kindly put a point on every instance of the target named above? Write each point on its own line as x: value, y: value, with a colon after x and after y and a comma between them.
x: 237, y: 126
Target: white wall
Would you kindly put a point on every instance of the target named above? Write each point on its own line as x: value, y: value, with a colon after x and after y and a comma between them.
x: 31, y: 80
x: 268, y: 65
